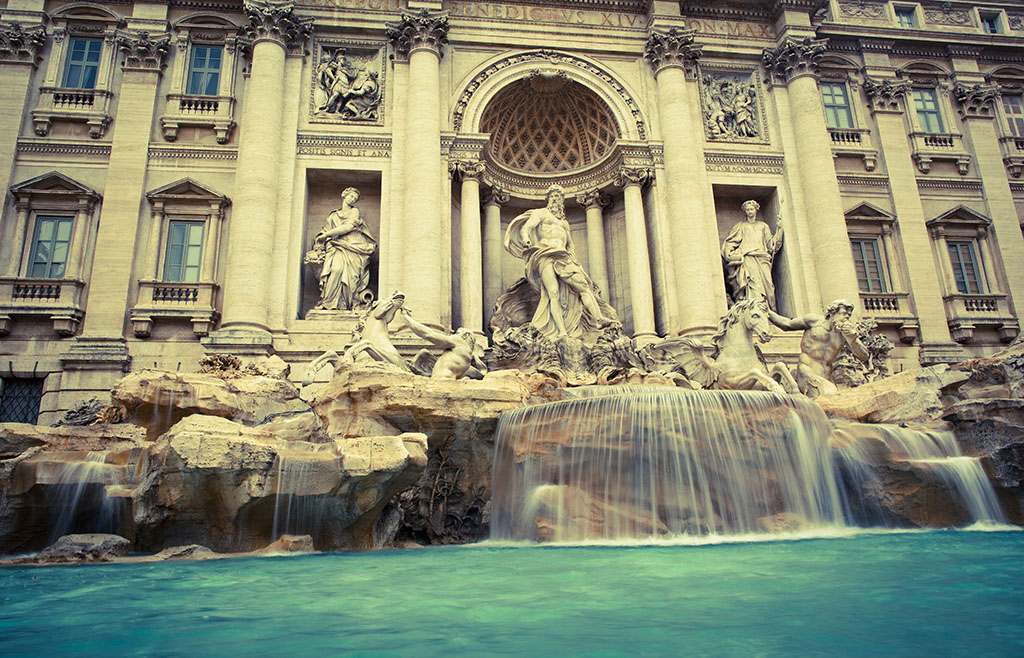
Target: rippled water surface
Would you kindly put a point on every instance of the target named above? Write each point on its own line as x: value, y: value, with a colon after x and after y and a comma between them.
x: 910, y: 594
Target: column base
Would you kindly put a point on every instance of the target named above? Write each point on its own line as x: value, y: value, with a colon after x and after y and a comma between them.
x: 934, y: 353
x: 240, y: 342
x: 646, y: 338
x: 703, y: 331
x: 94, y: 353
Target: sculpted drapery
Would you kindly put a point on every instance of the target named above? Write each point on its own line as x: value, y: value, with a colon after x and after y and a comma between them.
x: 347, y: 246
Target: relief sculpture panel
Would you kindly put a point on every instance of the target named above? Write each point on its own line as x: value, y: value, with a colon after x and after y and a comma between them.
x: 347, y: 83
x: 731, y: 106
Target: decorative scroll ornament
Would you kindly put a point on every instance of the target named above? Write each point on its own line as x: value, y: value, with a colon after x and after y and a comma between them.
x: 633, y: 176
x: 884, y: 95
x: 947, y: 16
x: 730, y: 106
x: 276, y: 20
x: 793, y: 58
x: 594, y: 199
x: 976, y: 101
x: 674, y: 48
x: 141, y: 52
x: 20, y: 45
x: 422, y: 30
x: 347, y: 87
x: 467, y: 169
x: 862, y: 9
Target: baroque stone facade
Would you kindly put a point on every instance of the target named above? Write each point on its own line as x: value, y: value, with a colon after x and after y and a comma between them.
x: 168, y: 165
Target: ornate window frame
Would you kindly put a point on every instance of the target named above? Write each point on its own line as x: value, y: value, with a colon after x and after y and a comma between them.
x: 184, y: 199
x: 1010, y: 81
x: 215, y: 112
x: 61, y: 299
x: 965, y: 312
x: 927, y: 147
x: 891, y: 308
x: 855, y: 141
x: 57, y: 103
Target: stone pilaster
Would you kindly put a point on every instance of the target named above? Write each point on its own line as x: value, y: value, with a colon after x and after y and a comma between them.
x: 422, y: 37
x: 700, y: 284
x: 793, y: 64
x: 594, y: 203
x: 273, y: 27
x: 493, y: 249
x: 976, y: 106
x: 640, y: 290
x: 20, y: 48
x: 471, y: 258
x: 101, y: 345
x: 885, y: 101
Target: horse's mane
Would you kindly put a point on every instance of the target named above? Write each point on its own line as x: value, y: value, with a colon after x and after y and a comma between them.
x: 731, y: 317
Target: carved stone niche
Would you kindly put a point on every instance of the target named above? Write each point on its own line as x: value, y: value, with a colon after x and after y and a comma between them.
x: 347, y: 82
x: 732, y: 105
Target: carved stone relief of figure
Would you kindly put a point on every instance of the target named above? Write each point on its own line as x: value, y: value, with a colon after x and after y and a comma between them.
x: 347, y: 87
x: 341, y: 251
x: 748, y: 252
x: 730, y: 106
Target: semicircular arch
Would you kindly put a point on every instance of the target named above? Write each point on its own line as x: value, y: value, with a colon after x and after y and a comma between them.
x: 481, y: 85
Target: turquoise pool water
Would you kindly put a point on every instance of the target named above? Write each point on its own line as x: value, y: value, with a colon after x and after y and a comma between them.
x: 948, y: 593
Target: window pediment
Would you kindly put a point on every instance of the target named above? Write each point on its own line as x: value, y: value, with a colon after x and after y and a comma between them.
x: 54, y: 185
x: 187, y: 190
x: 870, y: 213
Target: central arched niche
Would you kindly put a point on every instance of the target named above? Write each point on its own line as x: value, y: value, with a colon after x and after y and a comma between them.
x: 548, y: 124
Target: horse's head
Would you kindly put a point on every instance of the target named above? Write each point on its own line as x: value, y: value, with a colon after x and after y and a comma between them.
x: 752, y: 315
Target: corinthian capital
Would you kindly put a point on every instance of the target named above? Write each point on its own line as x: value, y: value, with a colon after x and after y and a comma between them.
x: 884, y: 95
x: 415, y: 31
x: 674, y: 48
x: 496, y: 196
x: 593, y: 199
x: 793, y: 58
x: 21, y: 45
x: 976, y: 101
x: 471, y: 169
x: 632, y: 176
x: 276, y: 20
x: 141, y: 52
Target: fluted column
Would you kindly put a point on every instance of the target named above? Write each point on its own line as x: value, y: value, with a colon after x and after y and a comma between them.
x: 595, y: 203
x: 273, y: 27
x: 471, y: 259
x: 884, y: 102
x: 493, y: 249
x: 640, y: 291
x: 422, y: 37
x: 794, y: 64
x: 700, y: 284
x: 976, y: 107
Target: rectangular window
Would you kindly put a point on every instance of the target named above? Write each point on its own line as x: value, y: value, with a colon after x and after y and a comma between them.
x: 50, y: 247
x: 867, y: 259
x: 204, y: 70
x: 184, y: 251
x: 837, y: 105
x: 965, y: 268
x: 990, y: 23
x: 1013, y: 108
x: 83, y: 63
x: 20, y: 398
x: 926, y: 102
x: 905, y: 17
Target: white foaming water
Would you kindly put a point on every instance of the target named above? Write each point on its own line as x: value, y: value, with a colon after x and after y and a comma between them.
x: 618, y: 464
x: 78, y: 494
x: 623, y: 462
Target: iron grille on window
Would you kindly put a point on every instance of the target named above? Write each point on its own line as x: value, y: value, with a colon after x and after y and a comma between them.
x: 19, y: 399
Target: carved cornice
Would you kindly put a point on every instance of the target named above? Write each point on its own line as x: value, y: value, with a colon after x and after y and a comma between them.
x: 674, y: 48
x: 467, y: 169
x: 950, y: 185
x: 964, y: 51
x: 746, y: 163
x: 32, y: 146
x: 193, y: 153
x: 20, y: 45
x: 142, y: 53
x: 876, y: 45
x: 862, y: 180
x: 593, y: 199
x: 884, y: 95
x: 416, y: 31
x: 369, y: 146
x: 275, y: 20
x: 976, y: 101
x: 793, y: 58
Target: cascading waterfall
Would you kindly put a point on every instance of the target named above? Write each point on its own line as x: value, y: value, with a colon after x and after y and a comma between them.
x: 79, y: 496
x: 931, y: 451
x: 634, y: 462
x: 630, y: 462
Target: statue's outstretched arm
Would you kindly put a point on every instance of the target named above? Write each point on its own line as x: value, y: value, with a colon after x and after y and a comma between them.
x: 426, y: 333
x: 791, y: 324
